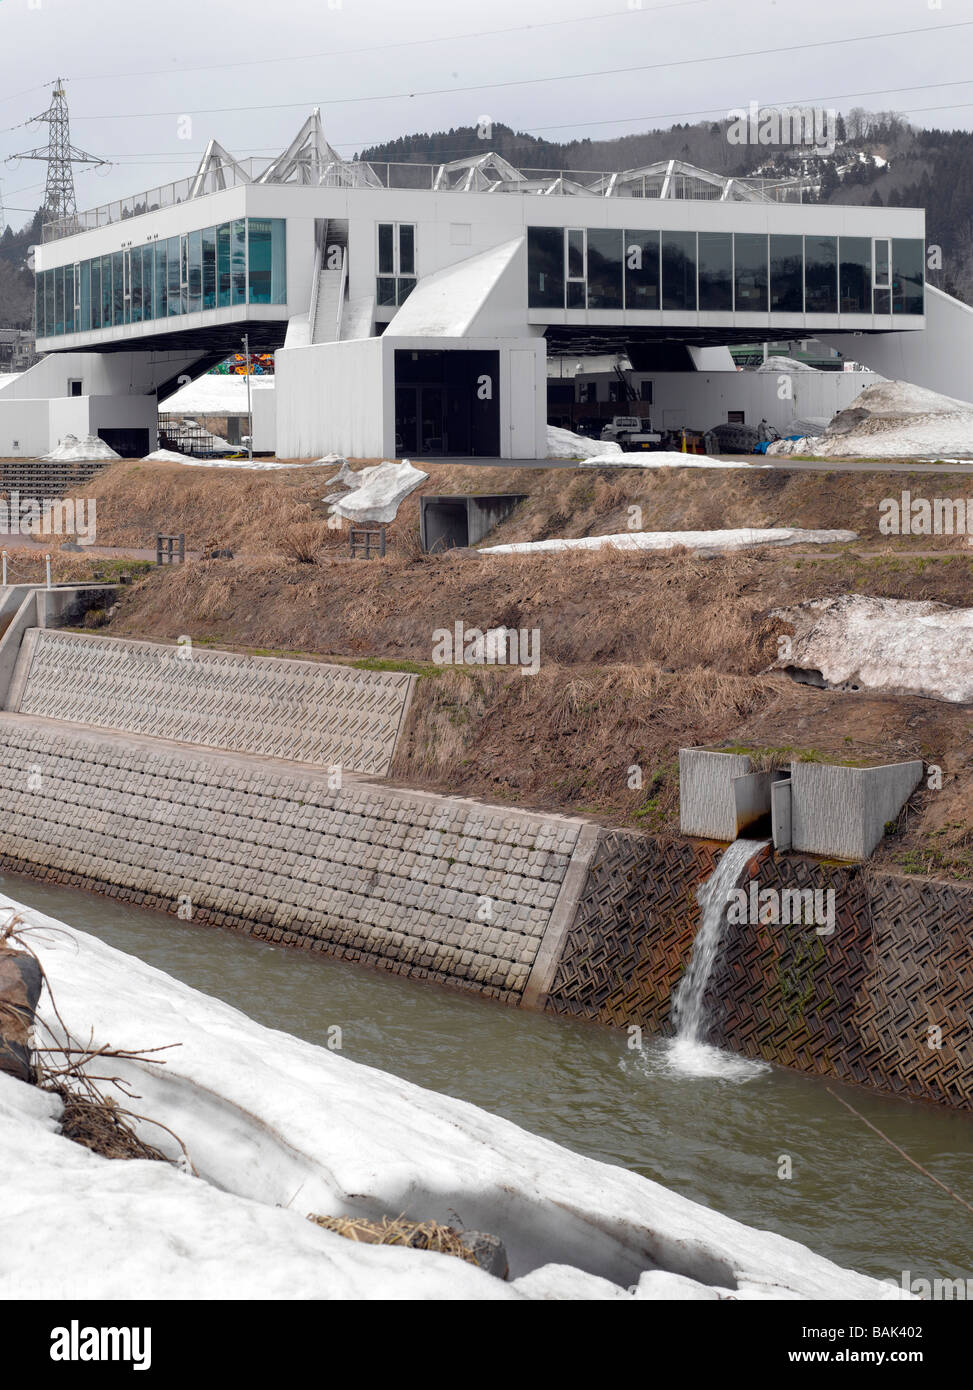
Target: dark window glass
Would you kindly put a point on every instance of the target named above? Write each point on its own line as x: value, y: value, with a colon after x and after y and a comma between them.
x: 641, y: 270
x: 118, y: 288
x: 821, y: 274
x: 406, y: 284
x: 278, y: 261
x: 209, y: 267
x: 85, y: 325
x: 174, y: 275
x: 715, y: 270
x: 50, y: 322
x: 545, y: 268
x: 148, y: 282
x: 238, y: 262
x: 576, y: 294
x: 679, y: 270
x: 135, y: 283
x: 645, y: 391
x: 407, y: 249
x: 855, y: 275
x: 750, y: 272
x: 107, y: 296
x: 69, y: 299
x: 161, y: 281
x: 194, y: 278
x: 386, y: 248
x: 787, y: 274
x: 223, y: 265
x: 575, y: 244
x: 96, y: 292
x: 39, y: 331
x: 385, y: 290
x: 908, y: 276
x: 604, y: 268
x: 59, y: 300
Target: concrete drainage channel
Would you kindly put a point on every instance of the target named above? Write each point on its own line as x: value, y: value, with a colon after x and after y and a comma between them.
x: 204, y: 781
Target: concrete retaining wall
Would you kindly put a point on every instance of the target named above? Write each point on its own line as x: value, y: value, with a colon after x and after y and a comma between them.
x: 303, y: 711
x: 424, y: 885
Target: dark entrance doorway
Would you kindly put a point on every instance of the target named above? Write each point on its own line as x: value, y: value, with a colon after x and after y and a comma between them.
x: 129, y: 443
x: 447, y: 403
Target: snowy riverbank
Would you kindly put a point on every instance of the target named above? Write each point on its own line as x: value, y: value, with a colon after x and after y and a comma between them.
x: 278, y: 1128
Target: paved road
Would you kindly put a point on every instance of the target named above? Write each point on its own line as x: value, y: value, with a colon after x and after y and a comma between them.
x: 784, y: 465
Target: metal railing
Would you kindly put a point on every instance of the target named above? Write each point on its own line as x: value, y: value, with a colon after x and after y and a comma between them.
x: 427, y: 177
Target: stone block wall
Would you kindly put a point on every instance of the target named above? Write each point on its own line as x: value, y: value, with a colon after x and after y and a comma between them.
x: 420, y: 884
x: 304, y: 711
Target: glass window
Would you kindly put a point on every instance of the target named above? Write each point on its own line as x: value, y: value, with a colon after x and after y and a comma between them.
x: 39, y: 304
x: 148, y: 282
x: 59, y: 299
x: 209, y: 267
x: 605, y: 268
x: 50, y: 318
x: 69, y: 299
x: 545, y: 268
x: 386, y: 248
x: 135, y: 283
x: 96, y: 292
x: 238, y: 262
x: 385, y: 290
x: 405, y: 284
x: 715, y: 270
x: 787, y: 274
x: 407, y: 248
x: 750, y: 272
x: 161, y: 281
x: 278, y: 261
x: 908, y: 275
x: 855, y: 275
x: 107, y: 297
x: 679, y: 270
x: 258, y: 237
x: 174, y: 276
x: 882, y: 276
x: 118, y: 288
x: 575, y: 244
x: 641, y: 270
x: 194, y: 279
x: 821, y: 274
x: 223, y: 265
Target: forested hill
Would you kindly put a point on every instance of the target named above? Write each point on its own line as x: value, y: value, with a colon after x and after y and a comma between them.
x: 878, y: 159
x: 16, y: 281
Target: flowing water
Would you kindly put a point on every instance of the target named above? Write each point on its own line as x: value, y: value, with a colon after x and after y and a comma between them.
x: 717, y: 1137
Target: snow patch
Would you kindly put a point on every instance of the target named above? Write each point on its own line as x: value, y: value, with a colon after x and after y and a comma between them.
x: 904, y: 646
x: 892, y: 419
x: 71, y: 449
x: 377, y: 491
x: 738, y: 539
x: 666, y: 458
x: 563, y: 444
x: 277, y: 1127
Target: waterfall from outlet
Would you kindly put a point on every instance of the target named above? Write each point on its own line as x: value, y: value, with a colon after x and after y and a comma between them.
x: 687, y: 1001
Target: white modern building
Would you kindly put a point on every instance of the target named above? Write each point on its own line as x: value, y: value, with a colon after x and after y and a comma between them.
x: 413, y: 307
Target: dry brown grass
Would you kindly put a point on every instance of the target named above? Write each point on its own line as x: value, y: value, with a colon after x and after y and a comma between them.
x: 415, y: 1235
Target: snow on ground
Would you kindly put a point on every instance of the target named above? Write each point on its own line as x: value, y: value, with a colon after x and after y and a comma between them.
x: 892, y: 419
x: 899, y: 645
x: 695, y: 540
x: 563, y: 444
x: 168, y: 456
x: 376, y: 492
x: 665, y: 458
x: 277, y: 1128
x: 785, y: 364
x: 259, y: 465
x: 74, y: 450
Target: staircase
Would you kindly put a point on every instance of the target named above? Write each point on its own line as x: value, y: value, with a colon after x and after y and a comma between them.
x: 332, y: 280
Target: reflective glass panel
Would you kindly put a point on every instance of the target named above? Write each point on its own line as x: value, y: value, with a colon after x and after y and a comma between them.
x: 545, y: 268
x: 386, y: 248
x: 679, y: 270
x: 407, y: 249
x: 195, y: 276
x: 787, y: 274
x: 821, y: 274
x: 209, y: 268
x: 641, y: 270
x: 750, y: 272
x: 174, y: 276
x: 118, y: 288
x: 605, y: 289
x: 238, y: 262
x: 715, y: 270
x: 908, y: 276
x: 223, y: 265
x: 855, y: 275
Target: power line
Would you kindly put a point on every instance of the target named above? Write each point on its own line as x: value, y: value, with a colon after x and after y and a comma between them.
x: 61, y: 156
x: 536, y: 81
x: 404, y: 43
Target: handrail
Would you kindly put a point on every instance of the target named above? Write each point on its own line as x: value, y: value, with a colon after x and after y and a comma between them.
x: 342, y: 282
x: 312, y: 312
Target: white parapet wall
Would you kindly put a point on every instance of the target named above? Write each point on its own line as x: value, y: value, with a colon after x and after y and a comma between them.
x: 842, y: 812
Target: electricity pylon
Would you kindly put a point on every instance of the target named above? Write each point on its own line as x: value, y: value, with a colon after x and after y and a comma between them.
x: 61, y: 155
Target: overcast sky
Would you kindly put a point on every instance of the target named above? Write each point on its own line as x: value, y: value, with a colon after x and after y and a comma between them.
x: 381, y: 68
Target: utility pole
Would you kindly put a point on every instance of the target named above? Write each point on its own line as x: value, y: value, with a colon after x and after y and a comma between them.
x: 61, y: 156
x: 246, y: 350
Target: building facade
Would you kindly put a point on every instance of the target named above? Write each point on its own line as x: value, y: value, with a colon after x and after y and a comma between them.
x: 413, y: 308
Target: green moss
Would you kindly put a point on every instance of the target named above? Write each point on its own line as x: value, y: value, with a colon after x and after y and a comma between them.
x: 413, y: 668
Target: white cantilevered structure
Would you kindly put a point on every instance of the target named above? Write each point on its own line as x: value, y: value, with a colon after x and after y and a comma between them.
x: 412, y: 307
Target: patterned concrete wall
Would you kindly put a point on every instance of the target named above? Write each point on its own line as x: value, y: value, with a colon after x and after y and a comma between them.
x: 885, y: 1000
x: 303, y: 711
x: 420, y: 884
